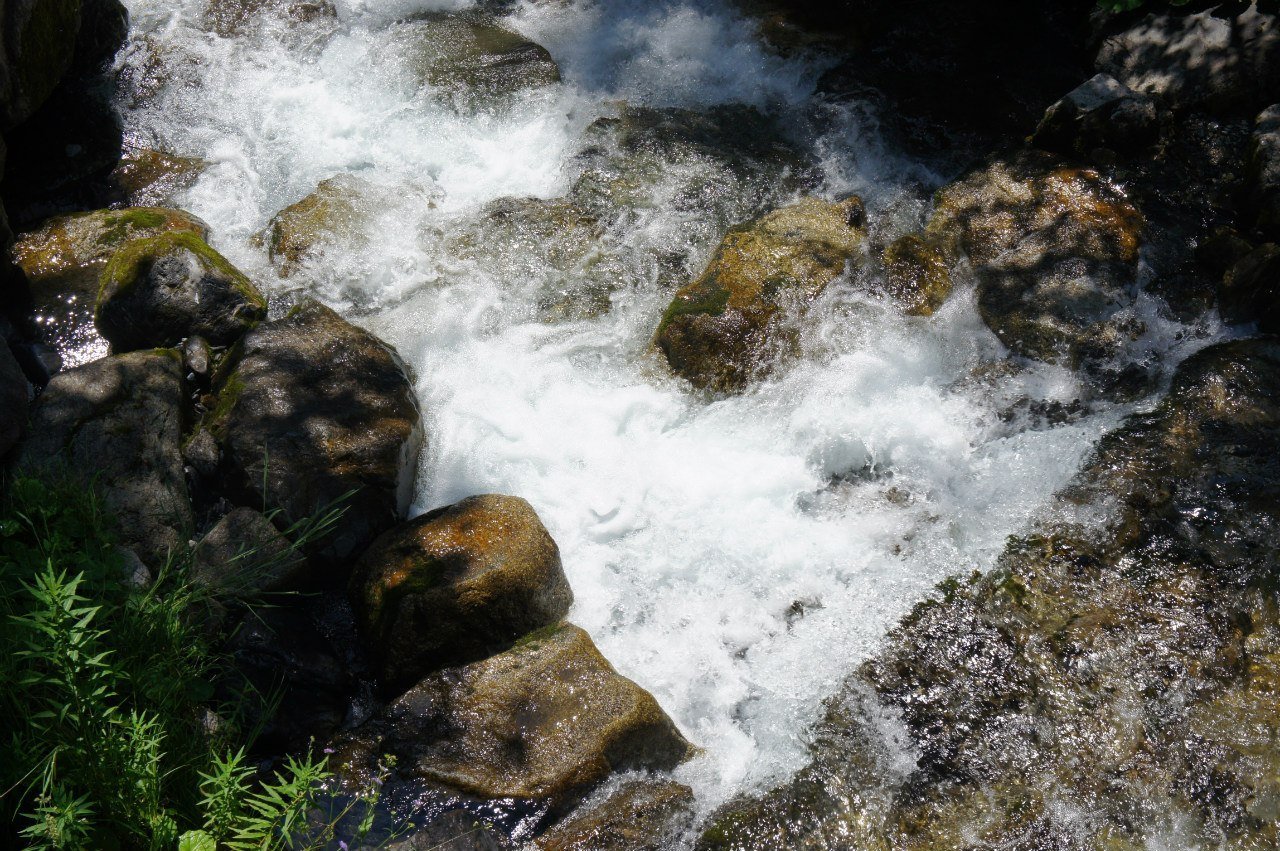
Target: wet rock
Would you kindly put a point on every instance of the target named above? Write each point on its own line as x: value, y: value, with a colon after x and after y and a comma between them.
x: 1099, y: 114
x: 1122, y: 666
x: 472, y: 57
x: 1251, y: 289
x: 452, y: 831
x: 244, y: 556
x: 148, y: 178
x: 457, y: 584
x: 335, y: 213
x: 157, y: 291
x: 117, y: 423
x: 725, y: 329
x: 545, y: 721
x: 314, y: 409
x: 1054, y: 249
x: 1224, y: 59
x: 641, y: 815
x: 229, y: 18
x: 63, y: 261
x: 197, y: 356
x: 918, y: 274
x: 14, y: 394
x: 1264, y: 172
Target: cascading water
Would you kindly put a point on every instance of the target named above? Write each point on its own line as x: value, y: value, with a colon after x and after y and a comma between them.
x: 737, y: 557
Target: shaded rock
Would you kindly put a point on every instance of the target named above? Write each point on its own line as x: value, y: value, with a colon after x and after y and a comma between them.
x: 63, y: 261
x: 146, y: 177
x: 1251, y: 289
x: 335, y: 213
x: 1122, y: 666
x: 40, y: 42
x: 117, y: 424
x: 453, y: 831
x: 726, y: 328
x: 1099, y: 113
x: 197, y: 356
x: 104, y: 28
x: 159, y: 290
x: 1223, y: 59
x: 457, y: 584
x: 230, y: 18
x: 641, y: 815
x: 472, y: 57
x: 1054, y: 249
x: 244, y: 556
x: 544, y: 721
x: 918, y: 274
x: 1264, y: 172
x: 314, y: 409
x: 14, y: 394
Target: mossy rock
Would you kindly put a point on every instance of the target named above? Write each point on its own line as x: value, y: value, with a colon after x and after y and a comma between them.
x: 727, y: 328
x: 473, y: 58
x: 313, y: 413
x: 648, y: 814
x: 544, y: 722
x: 1054, y: 248
x: 147, y: 177
x: 917, y: 274
x: 336, y: 213
x: 63, y: 261
x: 1126, y: 668
x: 159, y: 290
x: 458, y: 584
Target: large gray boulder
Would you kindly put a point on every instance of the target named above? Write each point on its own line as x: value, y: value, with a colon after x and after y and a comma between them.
x: 546, y: 721
x: 160, y: 290
x: 317, y: 410
x: 458, y: 584
x: 116, y: 424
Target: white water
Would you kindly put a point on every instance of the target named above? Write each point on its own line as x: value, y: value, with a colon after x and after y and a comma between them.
x: 690, y: 530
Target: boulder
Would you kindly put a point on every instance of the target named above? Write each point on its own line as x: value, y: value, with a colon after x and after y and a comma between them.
x: 244, y: 555
x: 472, y: 58
x: 1225, y: 59
x: 63, y: 261
x: 147, y: 177
x: 458, y: 584
x: 1100, y: 113
x: 1250, y: 290
x: 1054, y: 249
x: 726, y: 328
x: 157, y: 291
x: 545, y: 721
x: 116, y: 424
x: 1264, y: 172
x: 14, y: 395
x: 917, y: 274
x: 39, y: 46
x: 649, y: 814
x: 336, y: 212
x: 315, y: 411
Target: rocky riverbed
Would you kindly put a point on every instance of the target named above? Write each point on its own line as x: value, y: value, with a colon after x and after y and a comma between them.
x: 753, y: 424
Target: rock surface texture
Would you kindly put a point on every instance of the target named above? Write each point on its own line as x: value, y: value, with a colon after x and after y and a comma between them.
x: 458, y: 584
x: 316, y: 410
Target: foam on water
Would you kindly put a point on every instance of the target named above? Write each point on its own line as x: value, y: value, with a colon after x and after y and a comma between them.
x: 736, y: 557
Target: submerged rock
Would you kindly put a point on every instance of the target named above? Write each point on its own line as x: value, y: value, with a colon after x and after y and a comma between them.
x: 230, y: 18
x: 472, y: 57
x: 117, y: 424
x: 1123, y: 668
x: 917, y: 274
x: 63, y: 261
x: 146, y: 177
x: 641, y: 815
x: 335, y: 213
x: 545, y: 721
x: 316, y: 409
x: 726, y: 329
x: 158, y: 291
x: 1054, y: 249
x: 458, y: 584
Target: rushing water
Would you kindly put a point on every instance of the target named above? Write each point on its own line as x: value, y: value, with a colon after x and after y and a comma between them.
x: 737, y: 557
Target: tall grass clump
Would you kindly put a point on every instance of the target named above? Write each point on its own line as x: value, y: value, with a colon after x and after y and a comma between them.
x: 111, y: 735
